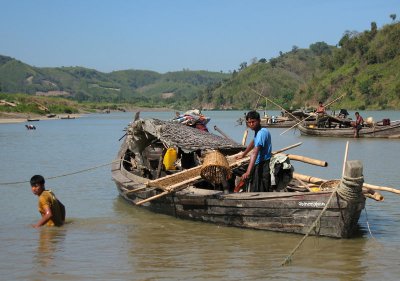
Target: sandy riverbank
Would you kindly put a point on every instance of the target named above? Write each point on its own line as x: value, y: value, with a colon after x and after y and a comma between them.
x: 7, y: 118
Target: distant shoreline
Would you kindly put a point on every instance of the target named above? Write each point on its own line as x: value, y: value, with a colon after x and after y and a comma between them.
x: 14, y: 117
x: 10, y: 119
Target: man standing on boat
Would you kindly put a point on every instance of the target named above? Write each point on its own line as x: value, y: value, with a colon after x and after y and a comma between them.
x: 321, y: 111
x: 258, y: 170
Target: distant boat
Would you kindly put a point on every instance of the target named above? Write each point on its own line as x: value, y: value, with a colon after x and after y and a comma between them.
x: 51, y: 115
x: 376, y: 130
x: 31, y: 119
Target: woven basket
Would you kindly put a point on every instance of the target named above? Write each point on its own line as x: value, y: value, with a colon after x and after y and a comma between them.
x: 328, y: 185
x: 215, y: 168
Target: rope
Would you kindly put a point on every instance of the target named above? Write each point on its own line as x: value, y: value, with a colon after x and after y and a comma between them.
x: 350, y: 188
x: 369, y: 229
x: 289, y: 257
x: 64, y: 175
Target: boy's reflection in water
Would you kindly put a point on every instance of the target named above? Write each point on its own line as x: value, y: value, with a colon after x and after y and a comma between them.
x: 50, y: 241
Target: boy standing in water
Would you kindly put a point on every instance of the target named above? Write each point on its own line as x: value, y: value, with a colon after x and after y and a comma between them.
x: 50, y: 208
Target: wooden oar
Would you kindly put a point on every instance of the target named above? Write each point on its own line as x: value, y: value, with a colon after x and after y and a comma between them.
x: 295, y: 125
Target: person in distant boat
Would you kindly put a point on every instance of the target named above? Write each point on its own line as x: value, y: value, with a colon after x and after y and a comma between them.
x: 258, y: 171
x: 358, y: 124
x: 321, y: 111
x: 50, y: 208
x: 321, y: 108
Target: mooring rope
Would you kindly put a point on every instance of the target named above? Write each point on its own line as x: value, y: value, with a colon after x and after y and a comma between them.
x: 64, y: 175
x: 289, y: 257
x: 349, y: 189
x: 366, y: 218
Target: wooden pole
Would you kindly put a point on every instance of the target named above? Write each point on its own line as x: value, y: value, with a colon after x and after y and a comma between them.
x: 274, y: 103
x: 153, y: 197
x: 345, y: 157
x: 307, y: 160
x: 222, y: 133
x: 246, y: 132
x: 315, y: 180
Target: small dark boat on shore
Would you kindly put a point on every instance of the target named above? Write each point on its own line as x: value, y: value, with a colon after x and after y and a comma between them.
x: 186, y: 190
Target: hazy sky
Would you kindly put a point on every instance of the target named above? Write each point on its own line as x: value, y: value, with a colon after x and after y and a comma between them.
x: 169, y: 35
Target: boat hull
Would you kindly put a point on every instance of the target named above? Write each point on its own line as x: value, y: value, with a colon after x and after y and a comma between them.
x: 390, y: 131
x: 289, y: 212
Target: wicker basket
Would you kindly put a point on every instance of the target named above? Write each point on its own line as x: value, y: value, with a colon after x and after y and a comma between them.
x: 215, y: 168
x: 328, y: 185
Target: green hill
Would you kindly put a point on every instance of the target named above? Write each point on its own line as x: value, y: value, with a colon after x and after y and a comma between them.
x: 279, y: 80
x: 364, y: 66
x: 141, y: 87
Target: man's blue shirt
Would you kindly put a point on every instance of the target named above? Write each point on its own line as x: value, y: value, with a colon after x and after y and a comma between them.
x: 262, y: 139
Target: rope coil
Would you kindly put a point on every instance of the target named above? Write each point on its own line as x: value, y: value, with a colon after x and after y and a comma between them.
x: 350, y: 188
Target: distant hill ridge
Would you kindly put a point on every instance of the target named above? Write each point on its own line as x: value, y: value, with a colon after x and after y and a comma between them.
x: 364, y: 66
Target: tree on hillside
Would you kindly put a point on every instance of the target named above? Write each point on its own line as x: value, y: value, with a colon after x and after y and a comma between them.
x: 320, y: 48
x: 374, y: 28
x: 393, y: 17
x: 243, y: 65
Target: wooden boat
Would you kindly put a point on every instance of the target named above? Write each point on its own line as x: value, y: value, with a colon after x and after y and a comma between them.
x: 288, y: 119
x: 188, y: 193
x: 377, y: 130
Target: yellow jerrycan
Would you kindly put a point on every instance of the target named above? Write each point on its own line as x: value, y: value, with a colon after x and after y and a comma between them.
x: 170, y: 158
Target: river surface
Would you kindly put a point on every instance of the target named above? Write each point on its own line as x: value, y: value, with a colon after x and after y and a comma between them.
x: 107, y: 239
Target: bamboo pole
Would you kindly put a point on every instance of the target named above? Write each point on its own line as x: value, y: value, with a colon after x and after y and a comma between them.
x: 153, y: 197
x: 381, y: 188
x: 246, y: 132
x: 372, y: 194
x: 295, y: 125
x: 308, y: 179
x: 315, y: 180
x: 345, y: 157
x: 261, y: 95
x: 222, y: 133
x: 136, y: 189
x: 307, y: 160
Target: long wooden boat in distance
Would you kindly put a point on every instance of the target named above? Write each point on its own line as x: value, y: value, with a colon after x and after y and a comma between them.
x: 142, y: 179
x: 375, y: 131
